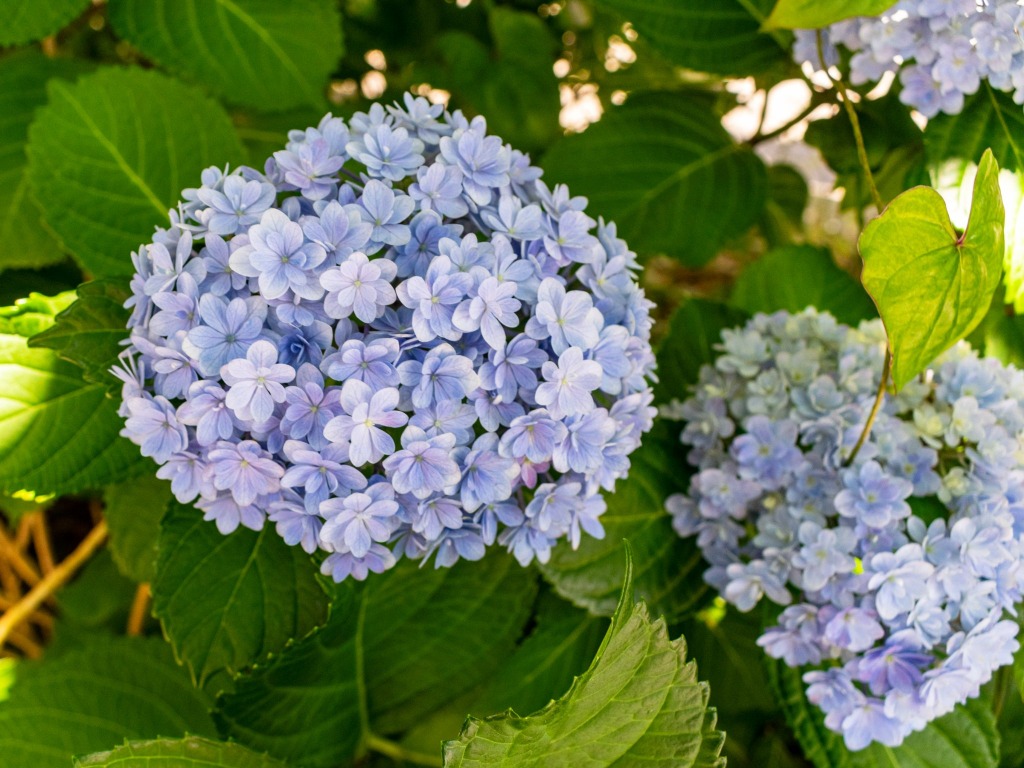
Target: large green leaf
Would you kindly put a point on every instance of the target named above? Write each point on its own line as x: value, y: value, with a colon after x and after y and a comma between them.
x: 33, y: 314
x: 965, y: 738
x: 28, y: 20
x: 24, y: 242
x: 133, y: 511
x: 512, y: 84
x: 89, y: 698
x: 90, y: 332
x: 58, y: 433
x: 990, y: 119
x: 227, y: 601
x: 109, y: 155
x: 814, y: 14
x: 955, y: 144
x: 190, y: 752
x: 640, y: 702
x: 264, y: 53
x: 723, y: 37
x: 668, y: 568
x: 797, y: 277
x: 395, y: 649
x: 666, y: 171
x: 931, y: 284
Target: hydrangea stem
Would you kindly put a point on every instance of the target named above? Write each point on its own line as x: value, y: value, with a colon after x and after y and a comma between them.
x: 400, y: 753
x: 50, y: 583
x: 858, y: 136
x: 879, y: 397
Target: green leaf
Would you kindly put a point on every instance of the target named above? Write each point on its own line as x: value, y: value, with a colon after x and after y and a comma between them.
x: 59, y: 278
x: 24, y: 242
x: 97, y: 601
x: 226, y: 602
x: 990, y: 120
x: 815, y: 14
x: 782, y: 220
x: 693, y: 332
x: 668, y: 568
x: 723, y: 37
x: 512, y: 84
x: 109, y: 155
x: 657, y: 166
x: 133, y: 511
x: 545, y: 663
x: 395, y: 649
x: 264, y: 53
x: 89, y: 332
x: 931, y: 285
x: 58, y: 433
x: 8, y: 674
x: 965, y: 738
x: 639, y: 702
x: 797, y: 277
x: 87, y: 699
x: 27, y: 20
x: 32, y: 315
x: 190, y: 752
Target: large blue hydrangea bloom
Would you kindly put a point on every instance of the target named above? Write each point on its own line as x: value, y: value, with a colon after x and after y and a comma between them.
x: 893, y: 573
x: 942, y: 49
x: 395, y: 340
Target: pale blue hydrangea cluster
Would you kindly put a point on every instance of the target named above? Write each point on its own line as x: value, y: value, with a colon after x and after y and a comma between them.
x: 896, y: 570
x: 942, y: 50
x: 393, y: 341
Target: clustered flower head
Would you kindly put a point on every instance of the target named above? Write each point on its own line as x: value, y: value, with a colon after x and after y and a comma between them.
x: 942, y: 50
x: 394, y: 341
x: 893, y: 572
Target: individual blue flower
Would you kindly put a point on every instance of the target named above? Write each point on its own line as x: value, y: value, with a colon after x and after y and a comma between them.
x: 767, y: 452
x: 295, y: 523
x: 533, y: 436
x: 438, y: 187
x: 892, y: 666
x: 483, y: 160
x: 228, y: 514
x: 899, y: 579
x: 372, y: 364
x: 487, y: 476
x: 567, y: 386
x: 573, y: 242
x: 853, y: 629
x: 385, y: 211
x: 434, y: 298
x: 206, y: 409
x: 443, y: 375
x: 569, y: 319
x: 748, y: 583
x: 512, y: 366
x: 516, y: 221
x: 227, y: 331
x: 359, y: 286
x: 868, y: 722
x: 365, y: 412
x: 432, y: 516
x: 310, y: 408
x: 310, y: 168
x: 339, y: 230
x: 340, y: 565
x: 320, y: 473
x: 423, y: 466
x: 165, y: 270
x: 256, y: 382
x: 490, y: 311
x: 237, y: 205
x: 582, y: 450
x: 280, y: 257
x: 355, y: 522
x: 386, y: 153
x: 153, y: 425
x: 446, y: 417
x: 245, y: 470
x: 873, y: 497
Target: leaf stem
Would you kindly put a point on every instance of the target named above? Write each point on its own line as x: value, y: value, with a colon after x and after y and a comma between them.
x: 762, y: 137
x: 50, y: 583
x: 400, y: 753
x: 879, y: 397
x: 137, y: 615
x: 858, y: 136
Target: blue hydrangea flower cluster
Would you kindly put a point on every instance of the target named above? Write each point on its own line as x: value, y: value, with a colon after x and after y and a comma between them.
x: 942, y: 50
x: 894, y: 571
x: 393, y: 341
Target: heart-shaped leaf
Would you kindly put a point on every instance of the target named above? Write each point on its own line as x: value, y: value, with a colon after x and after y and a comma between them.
x: 933, y: 285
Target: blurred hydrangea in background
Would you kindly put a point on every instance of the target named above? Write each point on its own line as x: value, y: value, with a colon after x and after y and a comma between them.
x: 895, y: 570
x: 942, y: 49
x: 395, y: 340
